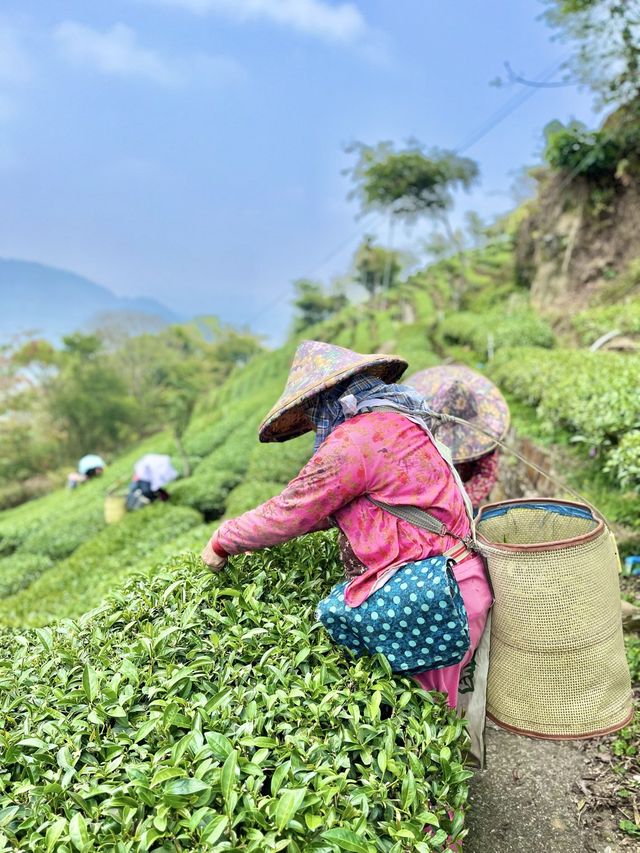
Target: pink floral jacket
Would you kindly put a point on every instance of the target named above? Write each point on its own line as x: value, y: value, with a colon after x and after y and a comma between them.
x: 382, y: 454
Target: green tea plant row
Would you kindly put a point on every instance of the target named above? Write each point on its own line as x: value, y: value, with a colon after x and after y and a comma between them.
x: 83, y: 580
x: 592, y: 395
x: 56, y: 524
x: 474, y: 330
x: 209, y: 712
x: 623, y: 317
x: 19, y: 570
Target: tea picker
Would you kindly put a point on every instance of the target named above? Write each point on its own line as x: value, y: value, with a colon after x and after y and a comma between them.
x: 457, y: 390
x: 413, y: 590
x: 151, y: 473
x: 89, y: 466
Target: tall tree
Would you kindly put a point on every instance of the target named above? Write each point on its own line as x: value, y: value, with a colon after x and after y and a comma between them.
x: 376, y: 268
x: 314, y: 304
x: 411, y: 184
x: 88, y: 398
x: 607, y: 37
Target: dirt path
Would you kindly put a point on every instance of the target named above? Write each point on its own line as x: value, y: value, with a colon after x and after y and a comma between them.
x: 526, y: 799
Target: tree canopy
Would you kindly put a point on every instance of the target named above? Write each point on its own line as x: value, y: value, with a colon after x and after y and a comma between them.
x: 607, y: 37
x: 376, y: 268
x: 409, y: 183
x: 313, y: 303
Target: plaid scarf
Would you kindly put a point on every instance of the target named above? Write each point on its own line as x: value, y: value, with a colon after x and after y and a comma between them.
x: 329, y: 409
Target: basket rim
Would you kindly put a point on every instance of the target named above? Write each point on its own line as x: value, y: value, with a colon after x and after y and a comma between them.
x: 535, y: 547
x: 544, y: 736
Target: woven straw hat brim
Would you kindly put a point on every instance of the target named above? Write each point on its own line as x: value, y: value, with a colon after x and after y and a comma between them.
x: 287, y: 419
x: 493, y: 415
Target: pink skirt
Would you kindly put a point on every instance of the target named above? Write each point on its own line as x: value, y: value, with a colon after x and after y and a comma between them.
x: 476, y: 592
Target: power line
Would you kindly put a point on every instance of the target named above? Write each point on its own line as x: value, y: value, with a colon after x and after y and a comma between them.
x: 493, y: 121
x: 537, y: 84
x: 509, y: 107
x: 332, y: 254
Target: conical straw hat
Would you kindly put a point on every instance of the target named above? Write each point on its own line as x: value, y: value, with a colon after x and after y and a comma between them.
x: 461, y: 391
x: 316, y: 367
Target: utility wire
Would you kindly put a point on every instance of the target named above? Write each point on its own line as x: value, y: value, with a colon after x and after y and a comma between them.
x: 506, y: 109
x: 537, y: 84
x: 492, y: 122
x: 369, y: 218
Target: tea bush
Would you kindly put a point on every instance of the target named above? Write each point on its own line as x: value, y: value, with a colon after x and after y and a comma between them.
x: 520, y: 328
x: 624, y: 460
x: 593, y: 323
x: 593, y: 395
x: 248, y: 495
x: 209, y: 712
x: 279, y: 462
x: 61, y: 535
x: 217, y: 474
x: 83, y: 580
x: 19, y: 570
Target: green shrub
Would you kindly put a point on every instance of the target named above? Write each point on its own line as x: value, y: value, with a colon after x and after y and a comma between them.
x: 594, y: 322
x: 207, y: 494
x: 595, y: 154
x: 624, y: 460
x: 280, y: 462
x: 249, y: 495
x: 207, y: 433
x: 19, y: 570
x: 208, y: 712
x: 60, y: 536
x: 84, y: 579
x: 521, y: 328
x: 593, y: 395
x: 218, y: 473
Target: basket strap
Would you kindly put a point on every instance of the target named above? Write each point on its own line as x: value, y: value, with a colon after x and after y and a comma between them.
x: 444, y: 418
x: 423, y: 519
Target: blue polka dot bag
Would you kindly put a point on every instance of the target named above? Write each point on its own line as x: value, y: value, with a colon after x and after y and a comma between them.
x: 417, y: 620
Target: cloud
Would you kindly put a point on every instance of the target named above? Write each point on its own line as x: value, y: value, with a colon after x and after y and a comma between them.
x: 342, y: 23
x: 115, y: 51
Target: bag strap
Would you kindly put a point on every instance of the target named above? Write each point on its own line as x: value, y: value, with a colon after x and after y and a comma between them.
x: 412, y: 514
x: 423, y: 519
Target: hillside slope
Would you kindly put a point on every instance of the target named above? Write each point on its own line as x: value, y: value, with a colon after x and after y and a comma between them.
x: 54, y: 302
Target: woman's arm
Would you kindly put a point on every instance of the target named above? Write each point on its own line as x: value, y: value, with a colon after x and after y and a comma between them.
x: 333, y: 477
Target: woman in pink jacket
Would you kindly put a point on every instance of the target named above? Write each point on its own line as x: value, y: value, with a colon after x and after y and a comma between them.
x: 384, y: 455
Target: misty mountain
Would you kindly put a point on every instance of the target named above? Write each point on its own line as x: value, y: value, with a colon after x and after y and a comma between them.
x: 53, y: 302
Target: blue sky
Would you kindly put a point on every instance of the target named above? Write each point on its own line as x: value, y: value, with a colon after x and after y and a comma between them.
x: 191, y: 150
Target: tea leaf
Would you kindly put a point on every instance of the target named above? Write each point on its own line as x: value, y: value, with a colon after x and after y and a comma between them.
x: 347, y: 840
x: 90, y: 682
x: 78, y: 832
x: 289, y: 802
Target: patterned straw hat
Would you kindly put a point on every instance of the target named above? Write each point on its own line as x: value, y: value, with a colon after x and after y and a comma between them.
x: 460, y: 391
x: 316, y: 367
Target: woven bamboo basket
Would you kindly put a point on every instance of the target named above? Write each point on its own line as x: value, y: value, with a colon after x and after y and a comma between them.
x: 114, y: 508
x: 557, y: 666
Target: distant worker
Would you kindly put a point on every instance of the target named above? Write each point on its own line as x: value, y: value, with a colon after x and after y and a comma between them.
x: 150, y: 474
x: 89, y: 466
x: 462, y: 392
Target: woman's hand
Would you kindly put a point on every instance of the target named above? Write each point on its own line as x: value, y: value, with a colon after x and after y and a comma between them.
x: 212, y: 560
